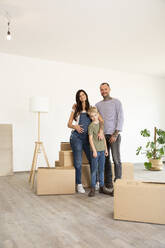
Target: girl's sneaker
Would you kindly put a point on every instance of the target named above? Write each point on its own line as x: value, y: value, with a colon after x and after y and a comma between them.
x: 80, y: 189
x: 97, y: 186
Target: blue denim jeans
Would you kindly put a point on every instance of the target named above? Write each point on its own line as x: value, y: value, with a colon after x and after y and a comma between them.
x: 79, y: 144
x: 97, y: 164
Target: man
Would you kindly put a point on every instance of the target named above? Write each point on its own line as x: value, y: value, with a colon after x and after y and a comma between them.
x: 112, y: 113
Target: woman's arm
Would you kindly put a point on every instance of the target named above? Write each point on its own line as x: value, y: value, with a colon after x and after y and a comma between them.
x: 78, y: 128
x: 92, y: 145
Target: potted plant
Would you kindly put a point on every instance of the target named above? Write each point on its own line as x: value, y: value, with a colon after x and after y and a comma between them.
x: 154, y: 150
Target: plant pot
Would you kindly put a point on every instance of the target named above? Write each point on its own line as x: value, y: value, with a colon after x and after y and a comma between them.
x: 157, y: 164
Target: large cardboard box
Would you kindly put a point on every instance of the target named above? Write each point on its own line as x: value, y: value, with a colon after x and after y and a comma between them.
x: 139, y: 201
x: 86, y: 175
x: 55, y: 180
x: 6, y: 150
x: 127, y: 171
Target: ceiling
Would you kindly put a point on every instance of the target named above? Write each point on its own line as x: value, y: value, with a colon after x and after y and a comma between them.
x: 125, y: 35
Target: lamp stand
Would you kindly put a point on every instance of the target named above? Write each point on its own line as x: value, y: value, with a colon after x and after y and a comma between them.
x: 38, y: 148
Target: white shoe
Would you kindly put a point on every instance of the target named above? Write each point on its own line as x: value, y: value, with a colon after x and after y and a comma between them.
x: 80, y: 189
x: 97, y: 186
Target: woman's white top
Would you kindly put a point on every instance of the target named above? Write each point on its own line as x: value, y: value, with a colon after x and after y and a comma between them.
x: 78, y: 117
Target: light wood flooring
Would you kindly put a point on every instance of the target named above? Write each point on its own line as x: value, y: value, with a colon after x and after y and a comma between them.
x: 70, y: 221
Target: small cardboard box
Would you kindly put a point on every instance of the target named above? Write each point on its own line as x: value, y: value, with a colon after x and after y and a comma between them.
x: 86, y: 175
x: 55, y: 181
x: 139, y: 201
x: 127, y: 171
x: 57, y: 163
x: 66, y: 158
x: 65, y: 146
x: 84, y: 158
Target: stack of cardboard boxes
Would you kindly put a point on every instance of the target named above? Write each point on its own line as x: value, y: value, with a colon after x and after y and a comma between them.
x: 66, y: 159
x: 61, y: 178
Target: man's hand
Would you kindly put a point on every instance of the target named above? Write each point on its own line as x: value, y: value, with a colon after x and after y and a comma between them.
x: 79, y: 129
x: 100, y: 135
x: 113, y: 139
x: 95, y: 154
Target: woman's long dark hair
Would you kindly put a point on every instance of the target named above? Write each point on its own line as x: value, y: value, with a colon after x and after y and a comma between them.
x: 79, y: 104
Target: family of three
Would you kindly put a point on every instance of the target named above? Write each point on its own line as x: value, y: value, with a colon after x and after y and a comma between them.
x: 96, y: 131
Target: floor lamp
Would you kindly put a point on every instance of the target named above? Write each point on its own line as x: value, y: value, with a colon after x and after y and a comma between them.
x: 38, y: 105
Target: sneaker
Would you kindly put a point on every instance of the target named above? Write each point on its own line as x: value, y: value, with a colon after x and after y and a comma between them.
x: 97, y: 186
x: 80, y: 189
x: 91, y: 192
x: 106, y: 191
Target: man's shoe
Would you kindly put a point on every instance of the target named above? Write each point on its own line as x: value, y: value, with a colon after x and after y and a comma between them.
x: 92, y: 192
x: 109, y: 185
x: 106, y: 191
x: 80, y: 189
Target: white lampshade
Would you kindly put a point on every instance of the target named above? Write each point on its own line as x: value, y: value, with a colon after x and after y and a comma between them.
x: 39, y: 104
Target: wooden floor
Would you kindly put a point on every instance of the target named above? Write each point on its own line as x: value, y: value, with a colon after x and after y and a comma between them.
x: 75, y: 221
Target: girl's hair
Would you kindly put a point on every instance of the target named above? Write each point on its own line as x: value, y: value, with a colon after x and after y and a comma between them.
x: 79, y: 104
x: 92, y: 110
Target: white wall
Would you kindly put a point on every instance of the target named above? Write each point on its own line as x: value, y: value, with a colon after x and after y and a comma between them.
x: 21, y: 78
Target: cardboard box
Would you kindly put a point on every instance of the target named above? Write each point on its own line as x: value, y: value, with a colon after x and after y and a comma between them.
x: 55, y: 181
x: 66, y: 158
x: 65, y: 146
x: 127, y: 171
x: 57, y: 163
x: 6, y: 150
x: 139, y: 201
x: 86, y: 175
x: 84, y: 158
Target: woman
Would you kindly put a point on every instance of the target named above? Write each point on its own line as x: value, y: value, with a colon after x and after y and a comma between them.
x: 79, y: 137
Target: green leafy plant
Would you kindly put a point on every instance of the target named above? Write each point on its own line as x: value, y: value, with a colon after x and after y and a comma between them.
x: 153, y: 149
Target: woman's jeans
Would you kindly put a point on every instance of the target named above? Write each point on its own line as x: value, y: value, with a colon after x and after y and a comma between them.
x: 79, y: 144
x: 97, y: 164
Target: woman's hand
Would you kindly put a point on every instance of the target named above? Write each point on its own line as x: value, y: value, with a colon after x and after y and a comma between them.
x: 95, y: 154
x: 79, y: 129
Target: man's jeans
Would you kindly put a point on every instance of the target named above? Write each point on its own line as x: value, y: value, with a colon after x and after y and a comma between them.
x: 97, y: 164
x: 115, y: 151
x: 78, y: 145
